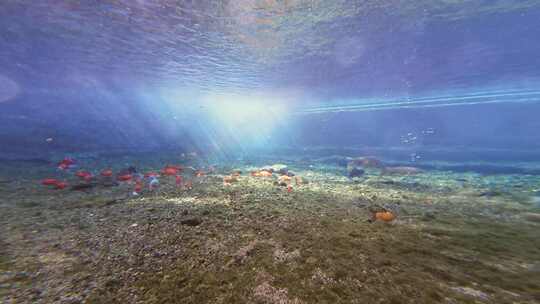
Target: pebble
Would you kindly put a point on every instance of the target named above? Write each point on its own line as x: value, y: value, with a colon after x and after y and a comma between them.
x: 471, y: 292
x: 191, y: 221
x: 311, y: 260
x: 21, y: 275
x: 356, y: 172
x: 134, y: 225
x: 278, y: 167
x: 428, y: 216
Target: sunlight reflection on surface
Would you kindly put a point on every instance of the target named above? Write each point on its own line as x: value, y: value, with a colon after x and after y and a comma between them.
x: 8, y: 89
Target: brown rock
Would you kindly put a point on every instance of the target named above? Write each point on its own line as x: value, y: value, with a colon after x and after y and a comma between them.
x: 284, y: 179
x: 532, y: 217
x: 230, y: 179
x: 365, y: 162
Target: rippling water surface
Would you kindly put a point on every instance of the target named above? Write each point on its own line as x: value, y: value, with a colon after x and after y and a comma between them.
x: 129, y: 64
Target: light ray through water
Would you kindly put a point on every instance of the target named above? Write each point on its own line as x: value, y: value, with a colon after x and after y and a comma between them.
x: 525, y: 96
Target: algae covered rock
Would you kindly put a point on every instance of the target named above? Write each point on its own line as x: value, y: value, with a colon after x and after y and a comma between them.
x: 532, y: 217
x: 281, y: 169
x: 365, y: 162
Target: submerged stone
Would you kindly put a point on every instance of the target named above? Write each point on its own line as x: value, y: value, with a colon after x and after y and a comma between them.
x: 471, y: 292
x: 428, y: 216
x: 83, y: 187
x: 285, y: 171
x: 491, y: 193
x: 191, y: 221
x: 356, y: 172
x: 365, y: 162
x: 279, y: 167
x: 532, y: 217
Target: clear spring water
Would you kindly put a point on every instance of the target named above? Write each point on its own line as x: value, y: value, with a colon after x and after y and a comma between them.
x: 451, y: 87
x: 151, y: 74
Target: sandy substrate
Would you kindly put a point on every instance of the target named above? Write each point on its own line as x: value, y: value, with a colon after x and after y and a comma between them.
x: 457, y: 238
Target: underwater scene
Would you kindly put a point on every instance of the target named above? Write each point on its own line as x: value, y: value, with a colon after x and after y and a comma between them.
x: 270, y: 151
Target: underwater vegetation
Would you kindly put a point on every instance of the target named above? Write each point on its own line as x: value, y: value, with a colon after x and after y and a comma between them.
x: 249, y: 232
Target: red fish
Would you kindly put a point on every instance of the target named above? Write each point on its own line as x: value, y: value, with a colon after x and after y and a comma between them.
x: 178, y: 180
x: 49, y: 182
x: 87, y: 176
x: 107, y: 173
x: 177, y: 167
x: 60, y: 185
x: 199, y: 173
x: 84, y: 174
x: 289, y: 188
x: 169, y: 171
x: 124, y: 177
x: 138, y: 186
x: 66, y: 163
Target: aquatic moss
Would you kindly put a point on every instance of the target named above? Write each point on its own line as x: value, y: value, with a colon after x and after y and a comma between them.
x: 492, y: 253
x: 4, y: 262
x: 341, y: 257
x: 334, y: 250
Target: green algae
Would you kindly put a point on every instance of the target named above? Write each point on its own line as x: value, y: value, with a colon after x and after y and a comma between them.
x: 466, y: 241
x: 4, y: 262
x: 362, y: 261
x: 351, y: 276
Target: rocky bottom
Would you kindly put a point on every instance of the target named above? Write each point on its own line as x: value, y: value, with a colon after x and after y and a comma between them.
x: 455, y: 240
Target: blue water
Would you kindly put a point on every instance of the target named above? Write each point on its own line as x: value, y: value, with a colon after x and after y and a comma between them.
x: 269, y: 151
x: 155, y: 75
